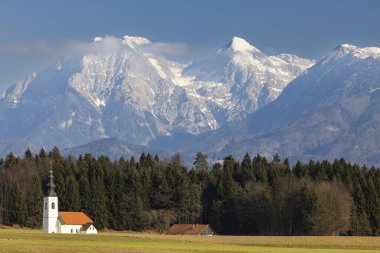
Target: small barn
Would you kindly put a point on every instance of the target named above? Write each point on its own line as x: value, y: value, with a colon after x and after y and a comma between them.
x: 191, y: 229
x: 75, y: 223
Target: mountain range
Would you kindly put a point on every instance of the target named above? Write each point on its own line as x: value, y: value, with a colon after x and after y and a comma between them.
x: 117, y: 95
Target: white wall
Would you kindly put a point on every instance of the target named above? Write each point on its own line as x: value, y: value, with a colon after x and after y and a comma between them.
x: 70, y: 229
x: 91, y: 230
x: 50, y: 215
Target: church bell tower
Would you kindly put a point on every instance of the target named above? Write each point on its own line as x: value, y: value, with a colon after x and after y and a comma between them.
x: 50, y: 214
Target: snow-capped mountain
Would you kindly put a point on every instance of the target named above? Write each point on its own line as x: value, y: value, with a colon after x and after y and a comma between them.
x: 116, y: 88
x: 241, y: 79
x: 347, y: 72
x: 116, y: 93
x: 330, y: 111
x: 112, y: 89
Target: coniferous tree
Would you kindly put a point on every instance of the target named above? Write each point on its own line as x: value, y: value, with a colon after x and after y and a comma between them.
x: 61, y: 190
x: 200, y: 162
x: 10, y: 161
x: 73, y: 195
x: 34, y: 204
x: 253, y: 196
x: 42, y: 153
x: 98, y: 203
x: 17, y: 207
x: 28, y: 154
x: 256, y: 211
x: 247, y: 177
x: 139, y: 217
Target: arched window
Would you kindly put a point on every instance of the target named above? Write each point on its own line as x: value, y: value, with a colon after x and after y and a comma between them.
x: 52, y: 205
x: 45, y: 205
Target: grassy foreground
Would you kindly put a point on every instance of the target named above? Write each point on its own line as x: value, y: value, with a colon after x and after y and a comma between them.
x: 18, y: 240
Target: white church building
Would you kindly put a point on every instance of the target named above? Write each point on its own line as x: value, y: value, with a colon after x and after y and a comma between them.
x: 63, y: 222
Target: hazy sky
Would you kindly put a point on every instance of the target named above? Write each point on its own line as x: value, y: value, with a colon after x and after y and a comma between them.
x: 34, y: 33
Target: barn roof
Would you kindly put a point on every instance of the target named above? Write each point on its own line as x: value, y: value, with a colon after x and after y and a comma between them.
x: 187, y: 229
x: 74, y: 218
x: 85, y: 227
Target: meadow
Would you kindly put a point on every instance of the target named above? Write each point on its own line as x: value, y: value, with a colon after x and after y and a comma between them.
x: 20, y: 240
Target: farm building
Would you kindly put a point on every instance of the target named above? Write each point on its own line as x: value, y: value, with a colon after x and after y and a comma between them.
x: 63, y: 222
x: 75, y: 223
x: 191, y: 229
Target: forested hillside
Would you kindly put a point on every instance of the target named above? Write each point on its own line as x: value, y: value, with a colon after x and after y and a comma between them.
x: 252, y: 197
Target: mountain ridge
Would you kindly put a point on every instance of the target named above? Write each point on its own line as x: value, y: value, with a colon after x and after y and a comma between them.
x: 115, y: 88
x: 117, y: 94
x: 328, y: 112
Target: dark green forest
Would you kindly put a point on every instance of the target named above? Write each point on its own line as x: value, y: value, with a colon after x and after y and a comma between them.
x: 254, y: 196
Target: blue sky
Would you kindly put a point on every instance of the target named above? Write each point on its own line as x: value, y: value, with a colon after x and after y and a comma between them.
x: 34, y: 34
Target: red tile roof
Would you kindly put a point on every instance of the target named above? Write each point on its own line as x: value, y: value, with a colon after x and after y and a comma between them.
x: 186, y: 229
x: 74, y: 218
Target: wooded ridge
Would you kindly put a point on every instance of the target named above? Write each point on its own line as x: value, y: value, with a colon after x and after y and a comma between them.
x: 252, y: 197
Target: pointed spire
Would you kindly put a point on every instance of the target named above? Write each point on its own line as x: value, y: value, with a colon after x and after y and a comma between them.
x: 51, y: 186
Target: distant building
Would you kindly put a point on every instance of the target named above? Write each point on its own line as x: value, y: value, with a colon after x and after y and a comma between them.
x: 63, y: 222
x: 75, y: 223
x: 191, y: 229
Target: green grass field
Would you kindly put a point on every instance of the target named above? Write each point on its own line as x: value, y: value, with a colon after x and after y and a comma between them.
x: 19, y: 240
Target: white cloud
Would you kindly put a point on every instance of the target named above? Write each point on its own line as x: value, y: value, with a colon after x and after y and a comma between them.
x: 29, y: 48
x: 167, y: 49
x: 38, y: 49
x: 107, y: 44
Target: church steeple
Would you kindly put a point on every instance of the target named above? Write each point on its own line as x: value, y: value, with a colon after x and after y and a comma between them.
x: 51, y: 186
x: 50, y: 213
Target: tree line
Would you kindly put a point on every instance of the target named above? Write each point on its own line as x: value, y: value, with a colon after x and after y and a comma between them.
x: 254, y: 196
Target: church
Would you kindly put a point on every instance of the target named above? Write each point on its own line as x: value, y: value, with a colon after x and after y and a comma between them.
x: 63, y: 222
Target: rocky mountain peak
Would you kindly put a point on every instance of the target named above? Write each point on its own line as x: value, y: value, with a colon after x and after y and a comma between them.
x: 240, y: 45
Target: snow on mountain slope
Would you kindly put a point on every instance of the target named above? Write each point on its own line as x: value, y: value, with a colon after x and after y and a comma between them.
x: 117, y: 88
x: 241, y: 79
x: 330, y: 111
x: 135, y: 41
x: 110, y: 89
x: 12, y: 94
x: 345, y: 72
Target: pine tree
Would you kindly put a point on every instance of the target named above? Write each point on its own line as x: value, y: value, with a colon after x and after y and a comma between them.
x: 42, y: 153
x: 28, y: 154
x: 55, y: 154
x: 247, y: 176
x: 34, y: 203
x: 200, y: 162
x: 10, y: 161
x: 140, y: 219
x: 85, y: 193
x: 61, y: 191
x: 256, y: 211
x: 72, y: 194
x: 98, y: 203
x: 142, y: 160
x: 18, y: 208
x: 228, y: 182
